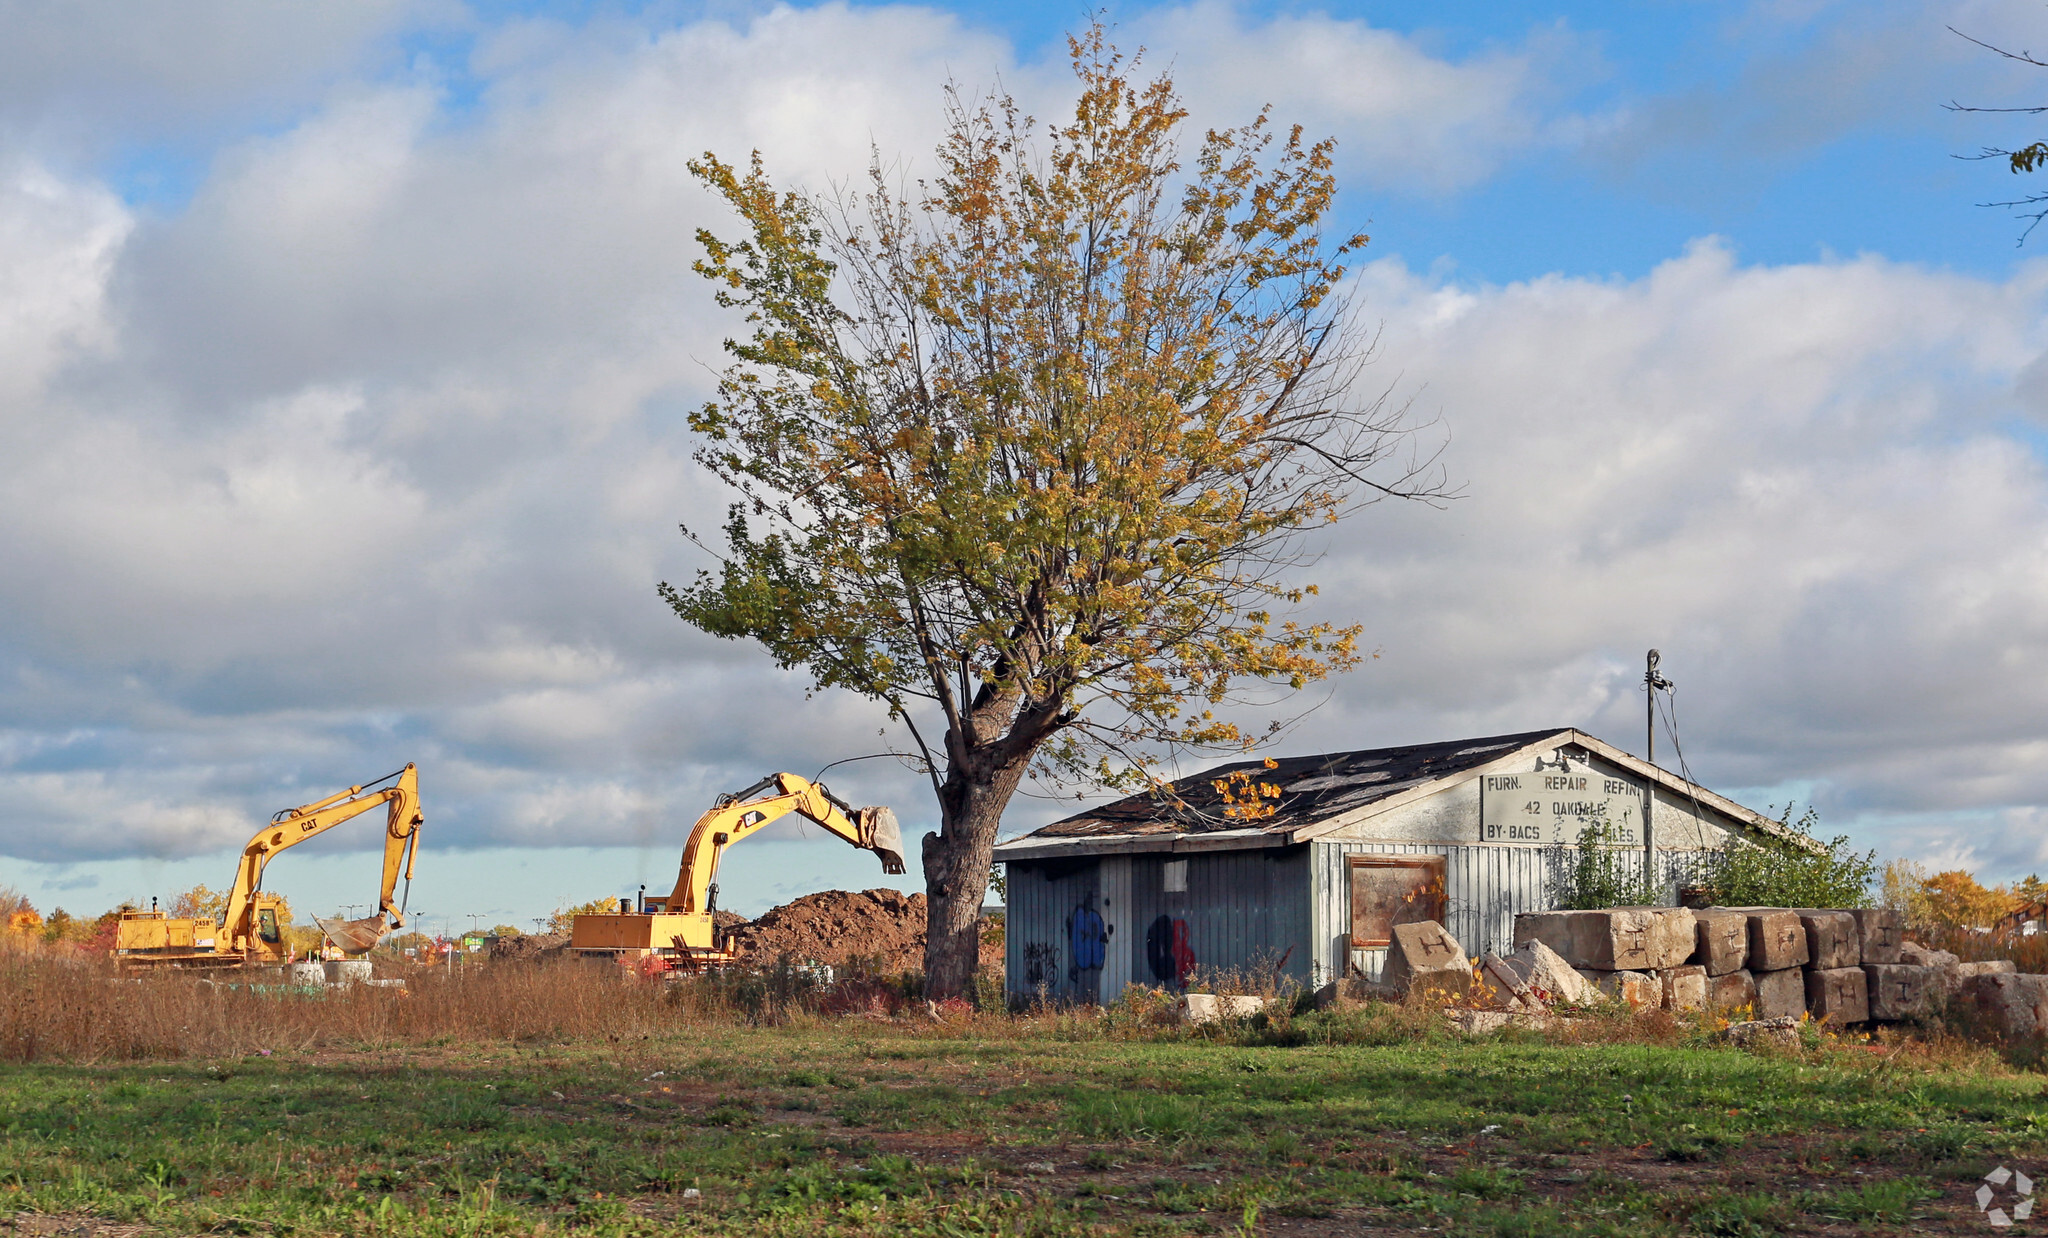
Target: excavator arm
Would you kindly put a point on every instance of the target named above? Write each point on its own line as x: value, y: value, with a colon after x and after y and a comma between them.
x: 736, y: 816
x: 295, y: 825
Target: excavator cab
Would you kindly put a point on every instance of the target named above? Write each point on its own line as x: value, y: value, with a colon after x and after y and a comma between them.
x: 266, y: 925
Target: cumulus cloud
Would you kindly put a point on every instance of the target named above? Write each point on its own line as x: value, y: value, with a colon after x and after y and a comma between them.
x: 373, y: 449
x: 1801, y: 482
x: 1409, y: 120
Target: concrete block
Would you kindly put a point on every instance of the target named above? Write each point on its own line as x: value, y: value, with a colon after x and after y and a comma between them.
x: 1913, y: 954
x: 1614, y: 939
x: 1777, y: 940
x: 1783, y: 1033
x: 1721, y: 940
x: 1994, y: 967
x: 1685, y: 988
x: 1640, y: 990
x: 1674, y: 935
x: 1881, y: 930
x: 1780, y: 994
x: 345, y: 971
x: 1505, y: 984
x: 1832, y: 941
x: 1841, y: 995
x: 1900, y: 991
x: 1211, y: 1007
x: 1558, y: 931
x: 2009, y: 1004
x: 1549, y: 979
x: 1425, y: 958
x: 1731, y: 991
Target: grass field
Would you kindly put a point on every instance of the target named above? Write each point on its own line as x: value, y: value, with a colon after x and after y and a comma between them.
x: 1051, y: 1125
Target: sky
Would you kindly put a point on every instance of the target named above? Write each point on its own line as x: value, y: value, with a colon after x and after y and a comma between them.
x: 346, y: 353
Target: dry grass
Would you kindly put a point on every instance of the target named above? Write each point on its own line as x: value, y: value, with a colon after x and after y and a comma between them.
x: 61, y: 1006
x: 57, y: 1008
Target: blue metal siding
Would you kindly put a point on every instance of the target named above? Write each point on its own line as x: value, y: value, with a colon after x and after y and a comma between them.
x: 1038, y: 957
x: 1242, y: 910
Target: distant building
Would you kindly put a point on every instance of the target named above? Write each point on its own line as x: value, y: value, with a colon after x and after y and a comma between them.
x: 1310, y: 881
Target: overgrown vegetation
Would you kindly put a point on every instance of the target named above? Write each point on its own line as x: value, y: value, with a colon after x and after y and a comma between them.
x: 1599, y: 872
x: 1775, y: 873
x: 1603, y: 871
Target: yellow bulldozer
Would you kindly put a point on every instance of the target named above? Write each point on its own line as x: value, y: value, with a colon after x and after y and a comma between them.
x: 681, y: 930
x: 249, y: 932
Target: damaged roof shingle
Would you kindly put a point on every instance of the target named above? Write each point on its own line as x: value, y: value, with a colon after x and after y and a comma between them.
x: 1312, y: 789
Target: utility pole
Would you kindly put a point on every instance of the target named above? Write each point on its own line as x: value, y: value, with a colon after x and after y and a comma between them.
x: 1652, y: 684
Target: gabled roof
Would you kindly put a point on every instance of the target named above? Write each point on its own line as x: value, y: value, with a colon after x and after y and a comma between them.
x: 1320, y: 794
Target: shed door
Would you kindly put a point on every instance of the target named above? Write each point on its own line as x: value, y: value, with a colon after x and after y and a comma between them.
x: 1390, y: 890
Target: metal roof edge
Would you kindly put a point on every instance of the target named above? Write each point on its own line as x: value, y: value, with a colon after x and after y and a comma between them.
x: 1366, y: 812
x: 1027, y: 847
x: 1680, y: 786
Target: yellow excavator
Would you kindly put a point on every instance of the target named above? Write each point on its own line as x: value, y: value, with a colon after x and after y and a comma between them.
x: 681, y: 929
x: 248, y: 932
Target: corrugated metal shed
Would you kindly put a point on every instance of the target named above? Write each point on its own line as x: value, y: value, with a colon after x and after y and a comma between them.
x: 1142, y: 889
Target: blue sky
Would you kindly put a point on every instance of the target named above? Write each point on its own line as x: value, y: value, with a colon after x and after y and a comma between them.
x: 344, y: 352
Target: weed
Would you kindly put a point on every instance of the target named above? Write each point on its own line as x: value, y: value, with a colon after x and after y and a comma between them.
x: 1889, y: 1200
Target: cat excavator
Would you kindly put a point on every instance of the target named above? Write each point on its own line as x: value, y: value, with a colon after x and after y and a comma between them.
x: 248, y: 932
x: 680, y: 931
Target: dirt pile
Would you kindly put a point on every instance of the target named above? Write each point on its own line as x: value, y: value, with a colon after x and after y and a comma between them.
x: 834, y: 926
x: 527, y: 946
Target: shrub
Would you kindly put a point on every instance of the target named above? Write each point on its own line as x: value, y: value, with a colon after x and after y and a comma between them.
x: 1598, y: 872
x: 1775, y: 873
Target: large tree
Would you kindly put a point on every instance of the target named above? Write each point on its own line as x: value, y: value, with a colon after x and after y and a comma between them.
x: 1027, y: 451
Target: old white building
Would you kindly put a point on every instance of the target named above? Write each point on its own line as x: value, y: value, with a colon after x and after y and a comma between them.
x: 1310, y: 881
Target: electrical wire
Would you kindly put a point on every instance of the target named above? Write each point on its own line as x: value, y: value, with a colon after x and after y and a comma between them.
x: 1668, y: 710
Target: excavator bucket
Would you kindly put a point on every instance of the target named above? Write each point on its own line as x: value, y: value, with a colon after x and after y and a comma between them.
x: 355, y: 936
x: 880, y: 834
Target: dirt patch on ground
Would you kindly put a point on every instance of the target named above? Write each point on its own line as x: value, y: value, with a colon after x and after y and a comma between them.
x: 835, y: 926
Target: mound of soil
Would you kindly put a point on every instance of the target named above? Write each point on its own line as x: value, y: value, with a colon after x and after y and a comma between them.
x: 528, y: 946
x: 834, y: 926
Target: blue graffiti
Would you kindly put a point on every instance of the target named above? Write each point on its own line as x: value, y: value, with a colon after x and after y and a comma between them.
x: 1085, y: 935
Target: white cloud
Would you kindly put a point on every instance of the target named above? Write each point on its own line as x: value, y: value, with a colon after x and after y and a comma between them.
x: 1408, y: 119
x: 373, y: 451
x: 1801, y: 482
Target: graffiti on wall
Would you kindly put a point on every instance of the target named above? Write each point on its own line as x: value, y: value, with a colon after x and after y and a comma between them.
x: 1167, y: 951
x: 1087, y: 940
x: 1041, y: 964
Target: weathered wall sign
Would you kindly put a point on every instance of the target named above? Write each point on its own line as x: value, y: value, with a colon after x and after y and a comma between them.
x: 1553, y: 805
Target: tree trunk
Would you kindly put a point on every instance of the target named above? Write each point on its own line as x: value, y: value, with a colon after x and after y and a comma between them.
x: 956, y: 868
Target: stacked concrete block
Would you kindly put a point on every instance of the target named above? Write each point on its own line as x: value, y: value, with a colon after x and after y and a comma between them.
x: 1721, y: 940
x: 1832, y: 940
x: 1685, y: 988
x: 1424, y: 958
x: 1674, y: 936
x: 1619, y: 952
x: 1615, y: 939
x: 1900, y: 991
x: 1880, y: 932
x: 1780, y: 994
x: 1639, y: 990
x: 1731, y: 991
x: 1840, y: 995
x: 1777, y: 940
